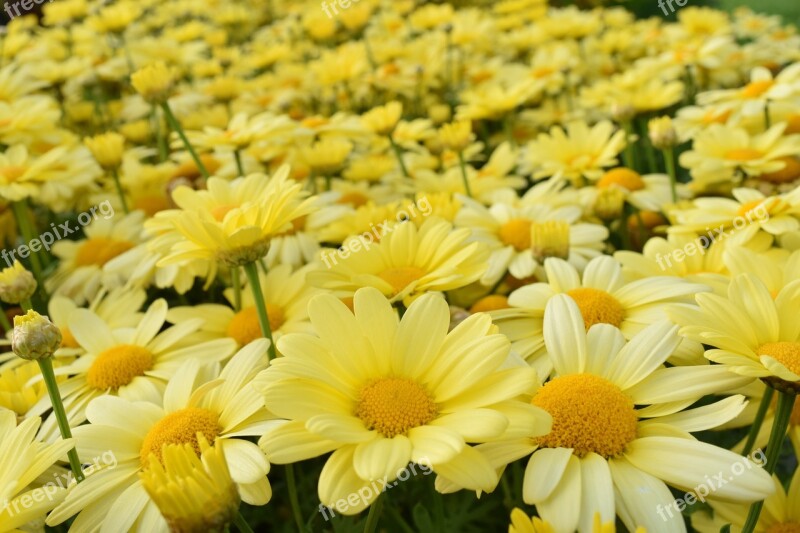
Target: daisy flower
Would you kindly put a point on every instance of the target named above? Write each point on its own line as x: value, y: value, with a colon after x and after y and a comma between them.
x: 602, y: 296
x: 604, y: 455
x: 132, y: 363
x: 521, y: 238
x: 222, y: 406
x: 359, y: 388
x: 580, y: 152
x: 754, y: 97
x: 407, y: 262
x: 751, y: 332
x: 286, y: 296
x: 22, y: 460
x: 80, y: 274
x: 649, y: 192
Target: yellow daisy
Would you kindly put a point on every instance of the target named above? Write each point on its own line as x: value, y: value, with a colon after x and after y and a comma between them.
x: 360, y: 389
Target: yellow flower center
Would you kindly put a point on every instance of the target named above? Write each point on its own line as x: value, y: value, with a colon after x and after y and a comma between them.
x: 787, y: 174
x: 400, y: 277
x: 792, y: 124
x: 542, y: 72
x: 392, y: 406
x: 356, y: 199
x: 492, y: 302
x: 100, y: 250
x: 220, y: 211
x: 786, y: 353
x: 68, y: 340
x: 151, y: 204
x: 756, y: 88
x: 713, y: 117
x: 298, y: 224
x: 746, y: 207
x: 597, y: 307
x: 743, y: 154
x: 590, y: 414
x: 784, y: 527
x: 550, y: 239
x: 244, y: 328
x: 624, y: 177
x: 12, y: 173
x: 118, y: 366
x: 516, y: 233
x: 180, y: 427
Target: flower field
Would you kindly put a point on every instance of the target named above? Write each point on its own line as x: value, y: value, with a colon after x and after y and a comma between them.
x: 398, y: 266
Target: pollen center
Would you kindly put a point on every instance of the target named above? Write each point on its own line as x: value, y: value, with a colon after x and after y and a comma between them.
x: 597, y: 307
x: 400, y: 277
x: 244, y: 328
x: 180, y: 427
x: 786, y: 353
x: 100, y: 250
x: 743, y: 154
x: 624, y: 177
x: 784, y: 527
x: 392, y: 406
x: 590, y: 414
x: 516, y: 233
x: 118, y: 366
x: 746, y: 207
x: 13, y: 173
x: 789, y: 173
x: 756, y: 88
x: 220, y: 211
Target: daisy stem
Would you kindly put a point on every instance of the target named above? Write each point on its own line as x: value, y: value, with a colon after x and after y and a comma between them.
x: 374, y: 515
x: 294, y: 501
x: 237, y: 289
x: 238, y: 155
x: 669, y: 160
x: 161, y: 135
x: 251, y: 270
x: 4, y: 322
x: 767, y: 117
x: 176, y: 126
x: 629, y: 155
x: 463, y: 165
x: 26, y: 227
x: 782, y: 415
x: 757, y: 421
x: 120, y: 192
x: 46, y: 366
x: 399, y: 153
x: 241, y: 524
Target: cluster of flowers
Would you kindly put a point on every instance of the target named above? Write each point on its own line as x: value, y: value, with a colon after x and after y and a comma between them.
x: 522, y: 331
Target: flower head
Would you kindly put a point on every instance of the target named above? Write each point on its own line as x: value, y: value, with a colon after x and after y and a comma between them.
x: 35, y: 337
x: 17, y: 284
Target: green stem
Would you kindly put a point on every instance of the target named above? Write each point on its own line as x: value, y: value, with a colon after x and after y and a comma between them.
x: 239, y: 166
x: 374, y: 515
x: 782, y: 415
x: 508, y: 129
x: 294, y: 501
x: 629, y: 156
x: 669, y: 159
x: 4, y: 322
x: 46, y: 366
x: 26, y: 227
x: 120, y: 192
x: 648, y: 147
x: 399, y: 153
x: 242, y: 524
x: 767, y: 117
x: 463, y: 165
x: 251, y: 270
x: 161, y: 135
x: 176, y: 126
x: 755, y: 427
x: 237, y: 289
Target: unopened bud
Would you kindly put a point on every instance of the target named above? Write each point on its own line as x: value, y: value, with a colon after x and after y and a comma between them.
x: 609, y: 203
x: 16, y: 284
x: 662, y: 133
x: 35, y: 337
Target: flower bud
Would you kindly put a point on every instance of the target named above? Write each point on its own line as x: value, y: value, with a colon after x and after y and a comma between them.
x: 154, y: 82
x: 609, y: 203
x: 35, y: 337
x: 107, y: 149
x: 16, y: 284
x: 662, y: 133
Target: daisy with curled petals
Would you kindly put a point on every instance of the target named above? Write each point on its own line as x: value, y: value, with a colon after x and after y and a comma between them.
x: 406, y: 263
x: 22, y: 460
x: 286, y: 296
x: 521, y: 238
x: 222, y: 406
x: 381, y: 392
x: 581, y: 152
x: 620, y: 432
x: 602, y: 296
x: 132, y: 363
